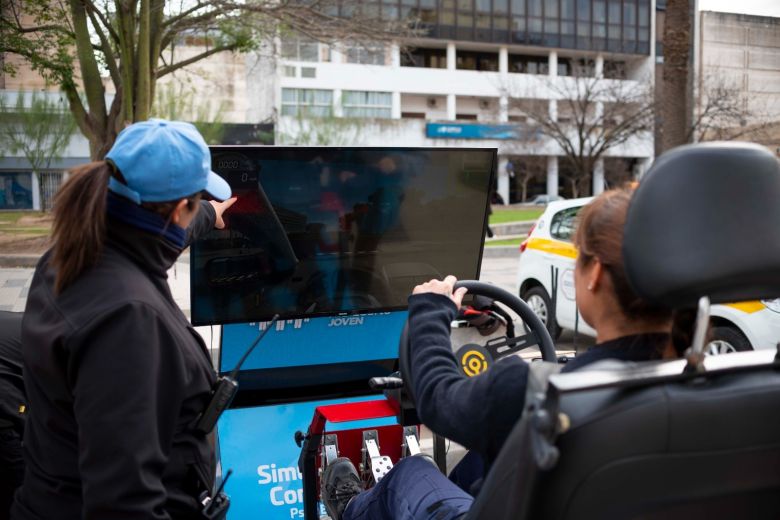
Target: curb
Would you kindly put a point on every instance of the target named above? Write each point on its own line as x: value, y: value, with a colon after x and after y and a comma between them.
x: 512, y: 228
x: 501, y: 252
x: 28, y: 260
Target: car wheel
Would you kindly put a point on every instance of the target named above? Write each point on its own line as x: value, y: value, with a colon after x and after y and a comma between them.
x: 539, y: 301
x: 727, y: 339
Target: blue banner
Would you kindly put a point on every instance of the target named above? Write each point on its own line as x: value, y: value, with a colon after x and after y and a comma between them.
x: 258, y: 445
x: 477, y: 131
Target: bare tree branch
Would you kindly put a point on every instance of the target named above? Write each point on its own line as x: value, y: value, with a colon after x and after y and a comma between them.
x: 594, y: 116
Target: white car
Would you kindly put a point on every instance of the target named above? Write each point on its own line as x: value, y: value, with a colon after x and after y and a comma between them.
x: 549, y: 250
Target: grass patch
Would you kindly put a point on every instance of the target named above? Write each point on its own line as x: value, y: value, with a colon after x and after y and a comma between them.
x: 12, y: 217
x: 501, y: 216
x: 23, y: 225
x: 32, y: 231
x: 508, y: 242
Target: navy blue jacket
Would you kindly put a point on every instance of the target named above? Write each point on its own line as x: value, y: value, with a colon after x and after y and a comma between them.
x: 479, y: 412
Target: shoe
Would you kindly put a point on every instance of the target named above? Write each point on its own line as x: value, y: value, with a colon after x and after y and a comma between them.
x: 340, y: 484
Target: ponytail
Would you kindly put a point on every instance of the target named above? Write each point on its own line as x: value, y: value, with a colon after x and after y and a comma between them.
x: 79, y: 222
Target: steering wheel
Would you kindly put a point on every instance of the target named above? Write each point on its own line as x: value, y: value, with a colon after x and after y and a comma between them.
x: 475, y: 359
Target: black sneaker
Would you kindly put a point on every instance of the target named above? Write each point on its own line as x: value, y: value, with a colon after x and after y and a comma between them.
x: 340, y: 483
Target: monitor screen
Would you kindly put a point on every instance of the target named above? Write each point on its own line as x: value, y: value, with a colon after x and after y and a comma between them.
x: 324, y: 231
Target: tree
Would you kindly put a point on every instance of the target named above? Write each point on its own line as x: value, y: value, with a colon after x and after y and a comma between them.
x: 587, y: 117
x: 327, y: 130
x: 38, y: 127
x: 676, y: 97
x: 723, y: 113
x: 528, y: 169
x: 134, y: 42
x: 174, y: 101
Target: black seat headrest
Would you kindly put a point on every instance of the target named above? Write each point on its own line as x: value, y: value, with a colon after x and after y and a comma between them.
x: 705, y: 221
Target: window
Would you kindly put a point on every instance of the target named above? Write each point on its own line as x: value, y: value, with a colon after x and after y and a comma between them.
x: 308, y: 102
x: 428, y: 58
x: 615, y: 69
x: 289, y: 71
x: 367, y: 104
x: 563, y: 223
x: 486, y: 61
x: 308, y: 72
x: 528, y: 64
x: 16, y: 191
x: 300, y: 49
x: 366, y: 55
x: 599, y: 11
x: 583, y: 11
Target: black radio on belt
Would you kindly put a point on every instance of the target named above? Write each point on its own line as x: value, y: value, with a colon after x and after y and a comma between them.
x: 225, y: 389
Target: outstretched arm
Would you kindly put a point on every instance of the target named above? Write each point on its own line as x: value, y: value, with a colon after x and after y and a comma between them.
x: 209, y: 217
x: 477, y: 412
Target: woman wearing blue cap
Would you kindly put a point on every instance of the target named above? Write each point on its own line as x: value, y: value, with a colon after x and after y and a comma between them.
x: 115, y: 374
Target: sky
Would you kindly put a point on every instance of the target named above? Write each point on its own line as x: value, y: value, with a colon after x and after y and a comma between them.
x: 759, y: 7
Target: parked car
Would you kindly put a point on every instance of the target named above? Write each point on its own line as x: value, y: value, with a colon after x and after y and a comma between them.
x: 735, y: 327
x: 542, y: 200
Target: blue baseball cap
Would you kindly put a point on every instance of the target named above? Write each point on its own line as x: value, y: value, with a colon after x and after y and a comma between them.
x: 163, y: 161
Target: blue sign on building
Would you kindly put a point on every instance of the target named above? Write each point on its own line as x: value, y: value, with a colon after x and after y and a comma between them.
x: 476, y: 131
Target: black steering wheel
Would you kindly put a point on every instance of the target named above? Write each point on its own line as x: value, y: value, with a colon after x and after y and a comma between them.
x: 475, y: 359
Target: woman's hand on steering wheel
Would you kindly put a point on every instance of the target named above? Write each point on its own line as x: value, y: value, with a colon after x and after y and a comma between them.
x: 444, y: 287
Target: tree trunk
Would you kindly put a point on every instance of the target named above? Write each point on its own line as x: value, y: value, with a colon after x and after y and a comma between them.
x: 676, y: 99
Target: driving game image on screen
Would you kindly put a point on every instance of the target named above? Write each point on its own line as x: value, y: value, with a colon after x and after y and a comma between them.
x: 321, y: 231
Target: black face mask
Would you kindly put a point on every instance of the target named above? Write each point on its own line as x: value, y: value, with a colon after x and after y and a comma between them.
x: 152, y: 240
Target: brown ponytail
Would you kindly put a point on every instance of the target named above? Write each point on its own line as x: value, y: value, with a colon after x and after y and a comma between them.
x: 599, y: 235
x: 79, y: 222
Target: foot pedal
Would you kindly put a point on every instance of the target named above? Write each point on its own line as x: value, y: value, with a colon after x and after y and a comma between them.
x: 411, y: 443
x: 330, y: 449
x: 374, y: 463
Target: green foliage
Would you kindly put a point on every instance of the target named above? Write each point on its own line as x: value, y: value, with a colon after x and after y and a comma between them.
x: 176, y: 101
x: 78, y: 43
x: 322, y: 131
x: 49, y: 51
x: 502, y: 216
x: 37, y: 126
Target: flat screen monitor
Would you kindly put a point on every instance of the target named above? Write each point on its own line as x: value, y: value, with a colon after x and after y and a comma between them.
x: 329, y: 231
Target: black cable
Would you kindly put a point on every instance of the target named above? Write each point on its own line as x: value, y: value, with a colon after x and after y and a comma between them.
x: 234, y: 373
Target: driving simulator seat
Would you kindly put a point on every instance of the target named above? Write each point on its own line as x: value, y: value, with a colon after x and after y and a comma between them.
x: 692, y: 438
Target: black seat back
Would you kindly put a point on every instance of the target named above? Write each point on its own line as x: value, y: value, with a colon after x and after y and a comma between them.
x: 653, y: 441
x: 691, y: 447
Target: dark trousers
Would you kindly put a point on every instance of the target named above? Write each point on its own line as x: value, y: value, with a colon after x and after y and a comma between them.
x: 413, y: 490
x: 469, y: 473
x: 11, y: 468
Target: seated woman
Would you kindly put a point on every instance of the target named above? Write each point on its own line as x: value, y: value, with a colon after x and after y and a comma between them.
x: 480, y: 412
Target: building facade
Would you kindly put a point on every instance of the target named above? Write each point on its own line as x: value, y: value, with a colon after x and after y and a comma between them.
x: 464, y: 83
x: 742, y: 53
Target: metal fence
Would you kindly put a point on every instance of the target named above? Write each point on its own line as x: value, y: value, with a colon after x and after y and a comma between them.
x: 50, y: 183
